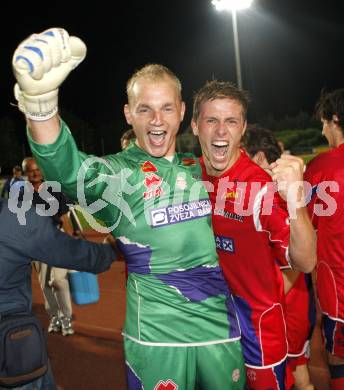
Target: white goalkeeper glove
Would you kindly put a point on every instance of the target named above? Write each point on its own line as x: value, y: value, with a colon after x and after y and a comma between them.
x: 40, y: 64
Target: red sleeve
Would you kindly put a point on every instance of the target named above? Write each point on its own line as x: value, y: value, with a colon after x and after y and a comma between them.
x: 271, y: 216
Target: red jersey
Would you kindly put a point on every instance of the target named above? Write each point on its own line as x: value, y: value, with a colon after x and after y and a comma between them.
x: 251, y: 228
x: 326, y: 175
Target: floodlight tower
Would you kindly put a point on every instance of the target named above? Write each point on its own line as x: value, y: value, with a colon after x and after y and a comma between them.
x: 233, y: 6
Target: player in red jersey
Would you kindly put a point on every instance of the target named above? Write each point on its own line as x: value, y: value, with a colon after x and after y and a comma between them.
x: 263, y: 148
x: 326, y: 175
x: 252, y: 228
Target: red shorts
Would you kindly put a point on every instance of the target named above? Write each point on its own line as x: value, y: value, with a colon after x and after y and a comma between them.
x: 300, y: 314
x: 272, y: 378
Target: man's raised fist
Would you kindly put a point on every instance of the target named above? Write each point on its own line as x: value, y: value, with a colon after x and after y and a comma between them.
x: 41, y: 63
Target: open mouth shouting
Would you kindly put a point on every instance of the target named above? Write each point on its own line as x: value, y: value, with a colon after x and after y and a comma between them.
x: 219, y: 149
x: 157, y: 137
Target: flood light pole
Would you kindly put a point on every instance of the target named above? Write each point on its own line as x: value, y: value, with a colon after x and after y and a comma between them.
x: 233, y: 6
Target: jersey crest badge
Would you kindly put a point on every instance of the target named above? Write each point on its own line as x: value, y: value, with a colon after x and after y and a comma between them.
x: 148, y: 166
x: 153, y: 184
x: 166, y: 385
x: 188, y: 161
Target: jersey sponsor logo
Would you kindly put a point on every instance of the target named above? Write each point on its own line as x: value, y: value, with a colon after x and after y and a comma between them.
x: 188, y: 162
x: 148, y: 166
x: 166, y: 385
x: 229, y: 215
x: 180, y: 213
x: 225, y: 244
x: 153, y: 184
x: 234, y: 196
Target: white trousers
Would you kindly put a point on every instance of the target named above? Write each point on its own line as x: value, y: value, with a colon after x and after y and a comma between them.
x: 55, y: 287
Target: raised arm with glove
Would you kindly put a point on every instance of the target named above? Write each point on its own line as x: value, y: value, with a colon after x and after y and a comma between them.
x: 41, y: 63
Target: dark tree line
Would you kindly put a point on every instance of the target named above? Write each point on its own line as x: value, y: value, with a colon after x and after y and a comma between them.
x: 302, y: 120
x: 12, y: 148
x: 100, y: 140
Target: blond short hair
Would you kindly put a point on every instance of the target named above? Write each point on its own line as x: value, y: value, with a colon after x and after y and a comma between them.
x: 154, y: 73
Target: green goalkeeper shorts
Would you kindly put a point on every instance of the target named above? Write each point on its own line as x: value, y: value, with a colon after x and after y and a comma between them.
x: 205, y: 367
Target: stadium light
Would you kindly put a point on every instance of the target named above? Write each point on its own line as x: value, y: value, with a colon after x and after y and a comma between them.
x: 233, y: 6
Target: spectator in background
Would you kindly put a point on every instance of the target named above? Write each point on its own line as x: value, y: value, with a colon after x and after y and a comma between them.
x: 263, y: 148
x: 16, y: 180
x: 326, y: 175
x: 53, y: 281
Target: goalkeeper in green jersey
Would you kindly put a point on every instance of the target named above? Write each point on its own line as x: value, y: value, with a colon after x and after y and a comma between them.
x: 181, y: 329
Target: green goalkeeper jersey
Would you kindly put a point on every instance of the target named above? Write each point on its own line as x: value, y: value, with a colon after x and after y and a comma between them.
x: 160, y: 214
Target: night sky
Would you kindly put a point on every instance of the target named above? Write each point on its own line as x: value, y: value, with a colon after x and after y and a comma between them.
x: 289, y: 51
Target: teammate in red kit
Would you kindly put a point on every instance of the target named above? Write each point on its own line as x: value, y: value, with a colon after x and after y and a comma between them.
x: 263, y: 148
x: 326, y: 175
x: 252, y: 228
